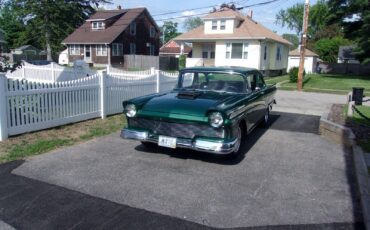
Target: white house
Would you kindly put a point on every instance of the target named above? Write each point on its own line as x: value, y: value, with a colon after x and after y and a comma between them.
x: 229, y: 38
x: 310, y: 61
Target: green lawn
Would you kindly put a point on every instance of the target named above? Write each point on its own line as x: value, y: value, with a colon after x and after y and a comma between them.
x: 359, y: 119
x: 30, y: 144
x: 275, y: 80
x: 341, y: 84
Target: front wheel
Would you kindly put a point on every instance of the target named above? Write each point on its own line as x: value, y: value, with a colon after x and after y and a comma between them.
x: 239, y: 139
x: 266, y: 118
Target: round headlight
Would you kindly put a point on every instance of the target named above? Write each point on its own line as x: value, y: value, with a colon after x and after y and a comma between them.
x: 216, y: 119
x: 130, y: 110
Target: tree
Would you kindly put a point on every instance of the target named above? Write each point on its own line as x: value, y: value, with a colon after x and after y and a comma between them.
x: 192, y: 23
x: 169, y: 31
x: 48, y: 22
x: 327, y: 48
x: 293, y: 39
x: 354, y: 18
x: 13, y: 26
x: 293, y: 17
x: 224, y: 5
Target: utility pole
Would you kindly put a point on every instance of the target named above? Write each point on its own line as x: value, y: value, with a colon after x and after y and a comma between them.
x: 303, y: 45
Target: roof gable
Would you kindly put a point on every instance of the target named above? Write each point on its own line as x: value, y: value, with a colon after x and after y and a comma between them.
x: 308, y: 53
x: 247, y: 29
x: 85, y: 35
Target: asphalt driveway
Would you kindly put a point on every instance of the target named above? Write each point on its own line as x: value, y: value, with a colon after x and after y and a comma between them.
x: 288, y: 175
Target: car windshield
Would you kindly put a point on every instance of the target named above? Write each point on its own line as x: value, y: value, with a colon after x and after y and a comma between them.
x: 214, y: 81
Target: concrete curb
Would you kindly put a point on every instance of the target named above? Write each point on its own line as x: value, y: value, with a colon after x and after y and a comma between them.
x: 336, y: 132
x: 343, y: 135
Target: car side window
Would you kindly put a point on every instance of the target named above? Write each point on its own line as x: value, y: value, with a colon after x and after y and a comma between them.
x: 187, y: 80
x: 251, y: 82
x: 260, y: 83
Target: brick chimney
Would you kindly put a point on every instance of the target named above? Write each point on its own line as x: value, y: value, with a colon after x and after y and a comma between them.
x: 250, y: 13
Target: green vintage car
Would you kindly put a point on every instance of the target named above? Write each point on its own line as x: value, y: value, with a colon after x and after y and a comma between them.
x: 209, y: 110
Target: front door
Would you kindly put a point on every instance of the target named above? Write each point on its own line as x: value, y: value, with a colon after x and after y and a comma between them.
x: 87, y: 53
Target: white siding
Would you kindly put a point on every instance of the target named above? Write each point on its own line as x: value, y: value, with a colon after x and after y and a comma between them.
x: 253, y: 60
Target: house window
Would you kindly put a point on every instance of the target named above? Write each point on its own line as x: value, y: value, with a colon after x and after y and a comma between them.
x: 117, y: 49
x: 208, y: 52
x: 101, y: 50
x: 265, y: 53
x: 74, y: 49
x: 152, y: 32
x: 228, y: 50
x: 237, y: 50
x: 98, y: 25
x: 278, y: 53
x: 223, y: 25
x: 133, y: 28
x: 214, y: 25
x: 132, y: 48
x: 245, y: 50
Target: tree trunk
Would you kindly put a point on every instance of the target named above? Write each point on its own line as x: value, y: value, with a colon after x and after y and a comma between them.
x: 47, y: 39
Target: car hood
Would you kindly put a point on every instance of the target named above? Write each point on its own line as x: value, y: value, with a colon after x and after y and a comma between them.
x: 198, y: 105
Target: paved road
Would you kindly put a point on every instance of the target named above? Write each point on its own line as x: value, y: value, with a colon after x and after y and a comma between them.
x: 288, y: 175
x: 306, y: 103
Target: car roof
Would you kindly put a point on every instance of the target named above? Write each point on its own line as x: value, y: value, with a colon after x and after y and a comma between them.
x: 220, y: 69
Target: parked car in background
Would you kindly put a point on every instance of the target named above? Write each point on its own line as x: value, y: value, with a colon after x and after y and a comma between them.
x: 210, y: 110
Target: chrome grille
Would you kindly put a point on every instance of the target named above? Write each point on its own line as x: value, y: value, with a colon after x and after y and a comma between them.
x: 175, y: 129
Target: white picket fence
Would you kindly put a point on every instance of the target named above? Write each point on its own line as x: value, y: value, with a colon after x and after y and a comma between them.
x: 27, y: 106
x: 50, y: 73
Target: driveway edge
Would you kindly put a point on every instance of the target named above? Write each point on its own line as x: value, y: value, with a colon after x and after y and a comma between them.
x: 362, y: 177
x: 344, y: 135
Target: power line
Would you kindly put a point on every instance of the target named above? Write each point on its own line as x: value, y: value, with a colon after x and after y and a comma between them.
x: 189, y: 16
x: 181, y: 11
x: 238, y: 8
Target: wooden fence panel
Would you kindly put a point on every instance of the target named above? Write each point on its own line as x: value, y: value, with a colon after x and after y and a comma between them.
x: 140, y: 62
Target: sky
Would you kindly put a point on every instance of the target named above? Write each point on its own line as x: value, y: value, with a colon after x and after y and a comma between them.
x: 263, y: 14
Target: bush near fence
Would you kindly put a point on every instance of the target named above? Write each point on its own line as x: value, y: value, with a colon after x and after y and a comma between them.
x: 27, y: 106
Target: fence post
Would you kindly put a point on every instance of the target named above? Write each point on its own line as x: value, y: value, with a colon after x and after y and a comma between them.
x: 3, y: 107
x: 24, y: 70
x: 52, y: 72
x: 157, y: 73
x: 108, y: 69
x: 103, y: 78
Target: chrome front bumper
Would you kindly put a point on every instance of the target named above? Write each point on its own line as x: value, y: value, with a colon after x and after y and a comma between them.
x: 198, y: 144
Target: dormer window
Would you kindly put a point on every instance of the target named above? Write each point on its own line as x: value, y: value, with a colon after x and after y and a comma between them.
x: 214, y: 25
x: 133, y: 28
x: 98, y: 25
x: 223, y: 25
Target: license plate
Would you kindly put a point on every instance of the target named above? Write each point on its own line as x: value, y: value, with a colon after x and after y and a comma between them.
x: 168, y: 142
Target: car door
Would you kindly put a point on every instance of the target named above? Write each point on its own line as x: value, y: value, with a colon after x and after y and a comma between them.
x: 252, y: 103
x: 261, y: 94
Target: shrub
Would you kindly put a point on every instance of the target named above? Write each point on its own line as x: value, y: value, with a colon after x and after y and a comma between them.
x: 293, y: 74
x: 182, y: 61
